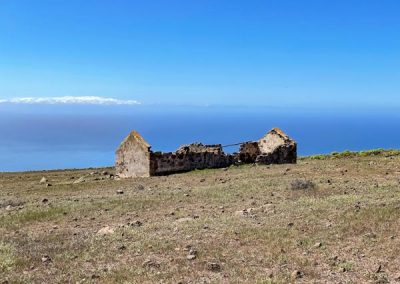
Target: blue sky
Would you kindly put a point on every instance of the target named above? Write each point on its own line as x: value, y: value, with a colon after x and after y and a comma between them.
x: 312, y: 53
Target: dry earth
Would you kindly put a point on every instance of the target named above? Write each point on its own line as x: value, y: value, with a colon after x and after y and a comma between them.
x: 247, y: 224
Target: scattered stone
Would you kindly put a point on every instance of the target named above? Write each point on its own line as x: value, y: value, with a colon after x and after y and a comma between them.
x: 43, y: 180
x: 397, y: 277
x: 105, y: 231
x: 192, y: 251
x: 269, y: 273
x: 297, y: 274
x: 48, y: 184
x: 45, y: 200
x: 120, y: 191
x: 183, y: 220
x: 104, y: 173
x: 135, y: 224
x: 214, y: 266
x: 140, y: 187
x: 122, y: 247
x: 46, y: 259
x: 149, y: 263
x: 8, y: 208
x: 317, y: 245
x: 191, y: 257
x: 79, y: 180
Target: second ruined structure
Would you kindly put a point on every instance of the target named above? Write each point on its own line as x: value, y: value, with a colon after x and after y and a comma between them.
x: 134, y: 157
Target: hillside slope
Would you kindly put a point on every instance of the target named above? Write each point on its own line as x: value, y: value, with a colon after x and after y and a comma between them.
x: 323, y: 220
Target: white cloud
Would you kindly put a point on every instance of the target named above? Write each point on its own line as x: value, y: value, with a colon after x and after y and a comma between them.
x: 85, y: 100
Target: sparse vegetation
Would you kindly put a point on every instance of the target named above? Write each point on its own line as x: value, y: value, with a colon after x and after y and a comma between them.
x: 236, y: 225
x: 300, y: 184
x: 7, y: 257
x: 354, y: 154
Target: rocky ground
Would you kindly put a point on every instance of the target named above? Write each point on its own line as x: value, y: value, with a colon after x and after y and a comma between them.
x: 325, y: 220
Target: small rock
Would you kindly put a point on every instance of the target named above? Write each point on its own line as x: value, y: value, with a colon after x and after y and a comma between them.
x: 122, y: 247
x: 104, y: 173
x: 9, y: 208
x: 270, y: 274
x: 297, y: 274
x: 105, y: 231
x: 150, y: 263
x: 79, y: 180
x: 46, y: 259
x: 120, y: 191
x: 43, y: 180
x: 45, y: 200
x: 184, y: 220
x: 191, y: 257
x: 397, y: 277
x: 48, y: 184
x: 140, y: 187
x: 192, y: 251
x: 318, y: 245
x: 135, y: 224
x: 214, y: 266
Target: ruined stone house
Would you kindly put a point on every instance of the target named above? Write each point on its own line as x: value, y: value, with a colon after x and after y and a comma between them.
x: 134, y: 157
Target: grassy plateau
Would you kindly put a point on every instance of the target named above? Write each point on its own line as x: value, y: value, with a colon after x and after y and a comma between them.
x: 327, y: 219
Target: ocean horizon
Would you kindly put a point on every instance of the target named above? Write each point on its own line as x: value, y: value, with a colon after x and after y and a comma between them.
x: 67, y: 137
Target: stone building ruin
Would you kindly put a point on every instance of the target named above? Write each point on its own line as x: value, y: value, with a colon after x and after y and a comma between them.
x: 134, y: 157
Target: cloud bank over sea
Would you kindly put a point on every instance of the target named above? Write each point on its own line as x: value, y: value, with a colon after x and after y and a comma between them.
x: 68, y: 100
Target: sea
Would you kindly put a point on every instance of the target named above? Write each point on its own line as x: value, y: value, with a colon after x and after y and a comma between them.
x: 44, y: 137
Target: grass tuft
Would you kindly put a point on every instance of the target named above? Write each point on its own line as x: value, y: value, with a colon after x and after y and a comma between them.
x: 7, y: 257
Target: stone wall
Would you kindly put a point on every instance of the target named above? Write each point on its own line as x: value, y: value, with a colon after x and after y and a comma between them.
x: 134, y: 157
x: 248, y: 152
x: 277, y: 148
x: 188, y: 158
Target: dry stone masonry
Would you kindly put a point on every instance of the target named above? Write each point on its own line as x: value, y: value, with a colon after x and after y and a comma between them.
x: 134, y: 157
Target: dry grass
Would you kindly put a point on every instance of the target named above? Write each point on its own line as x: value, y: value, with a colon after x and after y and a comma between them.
x: 245, y: 219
